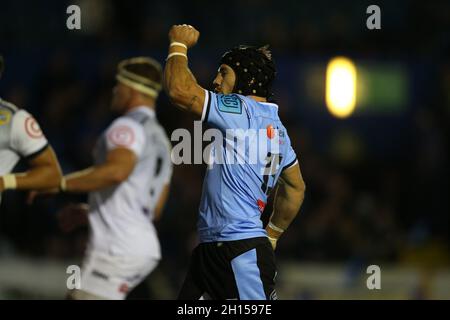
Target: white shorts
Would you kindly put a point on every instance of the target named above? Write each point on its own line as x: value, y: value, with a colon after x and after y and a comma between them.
x: 113, y: 277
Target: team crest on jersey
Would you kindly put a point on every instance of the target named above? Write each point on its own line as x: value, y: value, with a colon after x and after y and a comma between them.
x: 32, y: 128
x: 230, y: 103
x: 121, y: 136
x: 5, y: 117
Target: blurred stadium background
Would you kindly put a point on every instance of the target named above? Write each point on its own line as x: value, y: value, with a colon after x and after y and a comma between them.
x: 377, y: 180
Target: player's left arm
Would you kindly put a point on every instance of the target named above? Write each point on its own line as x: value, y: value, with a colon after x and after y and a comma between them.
x: 119, y: 164
x: 28, y: 141
x: 179, y: 82
x: 44, y: 173
x: 288, y: 199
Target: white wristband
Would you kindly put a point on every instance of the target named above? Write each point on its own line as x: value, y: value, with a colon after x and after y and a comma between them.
x: 63, y: 184
x: 178, y: 44
x: 9, y: 182
x: 173, y: 54
x: 275, y: 228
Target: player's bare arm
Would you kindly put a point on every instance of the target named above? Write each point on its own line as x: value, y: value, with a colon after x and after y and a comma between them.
x: 44, y: 173
x: 118, y: 166
x: 179, y: 82
x: 287, y: 202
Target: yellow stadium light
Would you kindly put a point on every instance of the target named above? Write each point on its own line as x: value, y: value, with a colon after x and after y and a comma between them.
x: 341, y: 87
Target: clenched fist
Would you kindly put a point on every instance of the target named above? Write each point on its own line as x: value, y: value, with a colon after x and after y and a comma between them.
x: 185, y: 34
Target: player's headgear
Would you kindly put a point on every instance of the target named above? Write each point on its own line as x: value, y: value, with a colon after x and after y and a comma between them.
x: 254, y: 68
x: 2, y: 65
x: 143, y: 74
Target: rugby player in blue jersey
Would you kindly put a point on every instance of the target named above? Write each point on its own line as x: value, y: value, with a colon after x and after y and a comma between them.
x: 235, y: 257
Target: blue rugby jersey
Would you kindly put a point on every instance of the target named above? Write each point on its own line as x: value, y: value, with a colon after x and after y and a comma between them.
x: 236, y: 187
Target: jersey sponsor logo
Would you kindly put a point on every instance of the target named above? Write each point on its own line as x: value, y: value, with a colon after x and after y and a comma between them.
x: 270, y: 131
x: 281, y: 135
x: 121, y: 136
x: 230, y: 104
x: 261, y: 205
x: 5, y: 117
x: 32, y: 128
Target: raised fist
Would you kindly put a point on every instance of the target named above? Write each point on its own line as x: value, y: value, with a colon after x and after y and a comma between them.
x: 185, y: 34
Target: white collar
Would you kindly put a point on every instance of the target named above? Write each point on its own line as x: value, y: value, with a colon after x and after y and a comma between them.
x: 270, y: 104
x: 145, y: 109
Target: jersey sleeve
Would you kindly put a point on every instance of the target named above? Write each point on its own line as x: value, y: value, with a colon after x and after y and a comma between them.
x: 125, y: 133
x: 27, y: 138
x: 290, y: 159
x: 225, y: 111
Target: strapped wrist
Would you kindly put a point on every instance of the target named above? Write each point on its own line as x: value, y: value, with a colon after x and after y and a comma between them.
x: 9, y: 182
x: 273, y: 232
x: 178, y: 44
x: 173, y: 54
x: 63, y: 185
x: 275, y: 228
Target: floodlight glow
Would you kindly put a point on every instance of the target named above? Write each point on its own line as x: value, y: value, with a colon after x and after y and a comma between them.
x: 341, y: 87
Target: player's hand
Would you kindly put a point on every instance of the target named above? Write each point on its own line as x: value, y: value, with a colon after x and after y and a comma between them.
x: 184, y: 33
x: 273, y: 242
x: 72, y: 216
x: 273, y: 234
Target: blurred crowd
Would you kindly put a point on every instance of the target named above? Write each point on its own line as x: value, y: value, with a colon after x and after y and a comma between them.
x: 363, y: 204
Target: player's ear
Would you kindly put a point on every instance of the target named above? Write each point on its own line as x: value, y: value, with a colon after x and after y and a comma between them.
x: 131, y: 93
x: 232, y: 75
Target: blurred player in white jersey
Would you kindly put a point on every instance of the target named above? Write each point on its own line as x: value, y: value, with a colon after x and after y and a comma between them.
x: 128, y: 187
x: 21, y: 137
